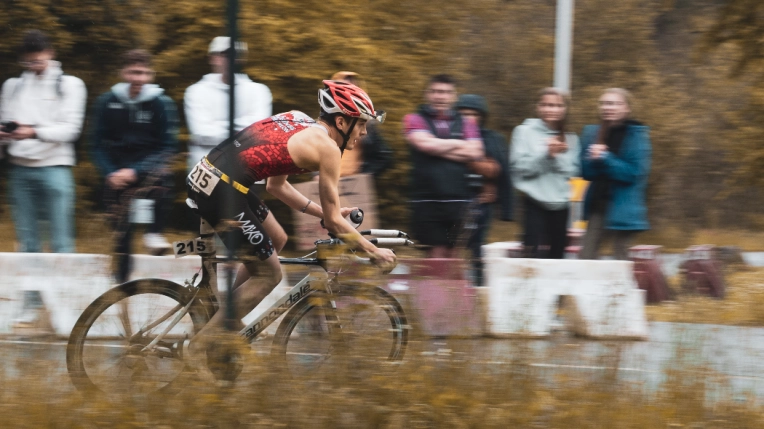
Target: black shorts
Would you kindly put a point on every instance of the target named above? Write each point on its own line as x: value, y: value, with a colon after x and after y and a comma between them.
x: 437, y: 223
x: 249, y: 238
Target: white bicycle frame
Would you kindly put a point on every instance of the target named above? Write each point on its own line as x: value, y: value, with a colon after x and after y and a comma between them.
x: 299, y: 292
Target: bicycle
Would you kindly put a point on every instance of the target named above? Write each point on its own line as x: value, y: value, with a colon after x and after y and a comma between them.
x: 131, y: 338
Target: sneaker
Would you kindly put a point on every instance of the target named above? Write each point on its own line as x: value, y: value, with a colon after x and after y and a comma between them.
x: 156, y: 243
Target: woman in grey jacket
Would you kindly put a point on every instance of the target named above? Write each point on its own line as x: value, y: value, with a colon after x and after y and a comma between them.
x: 542, y: 159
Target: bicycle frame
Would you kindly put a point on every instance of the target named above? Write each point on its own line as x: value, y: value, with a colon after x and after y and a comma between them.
x: 300, y: 291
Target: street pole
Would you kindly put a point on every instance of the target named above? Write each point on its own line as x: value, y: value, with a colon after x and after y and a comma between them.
x: 563, y: 44
x: 233, y: 11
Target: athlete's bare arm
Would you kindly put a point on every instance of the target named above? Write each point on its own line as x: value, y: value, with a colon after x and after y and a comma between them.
x: 312, y: 149
x: 453, y: 149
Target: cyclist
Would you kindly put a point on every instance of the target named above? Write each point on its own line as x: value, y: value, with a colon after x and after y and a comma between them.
x: 284, y: 144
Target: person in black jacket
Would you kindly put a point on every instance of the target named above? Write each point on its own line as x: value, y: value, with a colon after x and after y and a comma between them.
x: 134, y: 138
x: 494, y: 170
x: 442, y: 145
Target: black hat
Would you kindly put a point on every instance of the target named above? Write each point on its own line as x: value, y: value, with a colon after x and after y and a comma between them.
x: 473, y: 101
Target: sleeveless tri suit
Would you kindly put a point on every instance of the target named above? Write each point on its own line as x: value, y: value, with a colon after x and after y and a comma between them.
x: 219, y: 183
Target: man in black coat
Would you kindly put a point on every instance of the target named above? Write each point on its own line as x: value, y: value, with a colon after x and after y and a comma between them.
x: 494, y: 168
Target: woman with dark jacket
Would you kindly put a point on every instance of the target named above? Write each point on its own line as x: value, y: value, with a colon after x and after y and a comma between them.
x: 494, y: 170
x: 615, y: 158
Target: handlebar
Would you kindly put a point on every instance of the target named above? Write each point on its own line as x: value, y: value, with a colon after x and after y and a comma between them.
x: 383, y: 237
x: 355, y: 216
x: 385, y: 233
x: 375, y: 241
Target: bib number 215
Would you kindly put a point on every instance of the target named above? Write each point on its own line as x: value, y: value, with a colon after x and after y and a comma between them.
x: 189, y: 247
x: 203, y: 179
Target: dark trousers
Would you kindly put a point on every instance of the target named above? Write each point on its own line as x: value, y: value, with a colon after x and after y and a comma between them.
x: 546, y: 231
x: 118, y: 206
x: 596, y: 233
x: 476, y: 241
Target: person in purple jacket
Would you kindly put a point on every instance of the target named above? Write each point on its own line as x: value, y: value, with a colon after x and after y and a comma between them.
x: 442, y: 145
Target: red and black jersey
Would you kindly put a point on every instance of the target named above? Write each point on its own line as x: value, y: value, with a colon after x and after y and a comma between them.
x: 260, y: 150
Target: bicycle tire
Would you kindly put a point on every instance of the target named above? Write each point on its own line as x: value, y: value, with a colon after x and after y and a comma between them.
x: 101, y: 339
x: 373, y: 329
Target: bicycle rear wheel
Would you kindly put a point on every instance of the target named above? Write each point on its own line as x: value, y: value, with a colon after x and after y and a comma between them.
x: 353, y: 328
x: 105, y: 351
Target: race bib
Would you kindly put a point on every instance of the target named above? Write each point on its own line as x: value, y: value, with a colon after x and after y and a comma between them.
x: 190, y: 247
x: 203, y: 179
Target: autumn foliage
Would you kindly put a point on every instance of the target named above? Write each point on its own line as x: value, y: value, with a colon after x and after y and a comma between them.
x: 694, y: 72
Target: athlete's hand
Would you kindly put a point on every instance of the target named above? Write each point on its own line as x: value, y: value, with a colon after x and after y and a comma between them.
x: 384, y: 258
x: 345, y: 211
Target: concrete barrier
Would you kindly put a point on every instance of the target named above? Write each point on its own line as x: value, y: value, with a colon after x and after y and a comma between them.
x: 520, y: 298
x: 68, y: 283
x: 437, y: 297
x: 523, y: 295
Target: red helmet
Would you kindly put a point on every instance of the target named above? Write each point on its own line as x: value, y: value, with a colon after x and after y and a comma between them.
x: 347, y: 99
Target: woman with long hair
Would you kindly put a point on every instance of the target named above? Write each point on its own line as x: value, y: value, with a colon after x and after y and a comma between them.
x: 543, y: 157
x: 615, y: 158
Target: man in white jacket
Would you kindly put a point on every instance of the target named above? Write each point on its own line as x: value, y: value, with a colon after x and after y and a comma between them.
x: 42, y: 112
x: 206, y: 102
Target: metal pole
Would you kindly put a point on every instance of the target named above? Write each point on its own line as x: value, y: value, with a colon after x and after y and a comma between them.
x: 563, y: 44
x: 233, y: 11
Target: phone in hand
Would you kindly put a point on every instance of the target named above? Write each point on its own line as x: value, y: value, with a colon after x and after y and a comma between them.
x: 8, y: 126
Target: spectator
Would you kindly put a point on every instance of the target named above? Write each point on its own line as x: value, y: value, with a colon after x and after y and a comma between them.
x: 544, y: 158
x: 616, y: 159
x: 373, y: 155
x: 134, y: 139
x: 45, y: 110
x: 206, y: 102
x: 493, y: 168
x: 442, y: 145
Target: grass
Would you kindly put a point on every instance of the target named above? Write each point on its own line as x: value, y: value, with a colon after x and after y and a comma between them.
x: 743, y: 304
x: 427, y: 390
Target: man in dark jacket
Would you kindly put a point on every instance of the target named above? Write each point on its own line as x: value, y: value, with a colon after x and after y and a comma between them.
x: 442, y: 144
x: 134, y: 138
x: 494, y: 170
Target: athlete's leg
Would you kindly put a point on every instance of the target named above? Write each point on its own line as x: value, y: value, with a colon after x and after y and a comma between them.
x: 279, y: 238
x: 256, y: 278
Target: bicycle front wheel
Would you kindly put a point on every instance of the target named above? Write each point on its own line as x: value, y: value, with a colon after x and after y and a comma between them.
x: 354, y: 327
x: 107, y: 347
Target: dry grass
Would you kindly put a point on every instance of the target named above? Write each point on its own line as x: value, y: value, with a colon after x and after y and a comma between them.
x: 743, y: 304
x: 445, y: 390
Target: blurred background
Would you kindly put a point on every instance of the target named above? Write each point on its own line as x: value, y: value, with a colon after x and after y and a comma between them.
x: 694, y: 67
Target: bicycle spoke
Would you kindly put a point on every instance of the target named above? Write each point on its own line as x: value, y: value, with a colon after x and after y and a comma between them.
x: 133, y: 315
x: 360, y: 332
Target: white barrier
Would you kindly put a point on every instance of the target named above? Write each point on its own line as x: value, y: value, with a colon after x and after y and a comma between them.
x: 523, y: 295
x: 68, y: 283
x: 520, y: 297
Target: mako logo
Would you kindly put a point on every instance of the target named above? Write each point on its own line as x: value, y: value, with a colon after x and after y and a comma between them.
x: 253, y: 235
x: 274, y: 314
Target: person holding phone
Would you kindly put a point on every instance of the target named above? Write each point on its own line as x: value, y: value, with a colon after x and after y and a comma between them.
x: 616, y: 159
x: 42, y: 112
x: 543, y: 157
